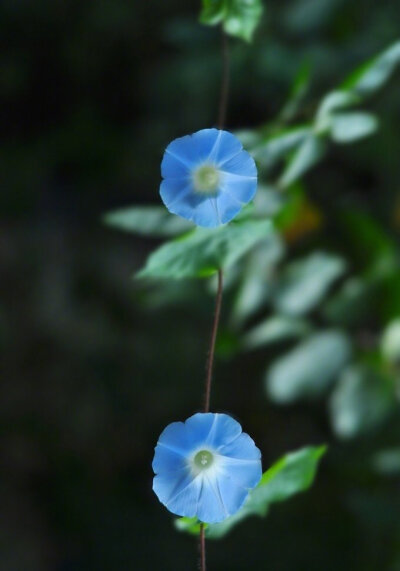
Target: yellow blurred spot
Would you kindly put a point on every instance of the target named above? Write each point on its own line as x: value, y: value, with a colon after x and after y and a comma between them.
x: 396, y: 212
x: 308, y: 219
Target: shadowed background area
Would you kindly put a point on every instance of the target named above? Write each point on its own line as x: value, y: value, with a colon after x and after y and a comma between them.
x: 95, y: 364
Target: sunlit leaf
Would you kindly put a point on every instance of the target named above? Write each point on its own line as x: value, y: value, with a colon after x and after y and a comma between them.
x: 202, y: 252
x: 148, y: 221
x: 307, y: 17
x: 370, y: 241
x: 292, y: 205
x: 335, y: 100
x: 255, y: 286
x: 308, y: 154
x: 298, y: 90
x: 292, y: 474
x: 249, y: 137
x: 268, y: 201
x: 275, y: 329
x: 213, y: 12
x: 238, y: 17
x: 389, y: 284
x: 273, y: 148
x: 390, y: 342
x: 387, y: 461
x: 360, y: 401
x: 350, y: 303
x: 308, y: 369
x: 373, y: 74
x: 305, y: 282
x: 349, y: 127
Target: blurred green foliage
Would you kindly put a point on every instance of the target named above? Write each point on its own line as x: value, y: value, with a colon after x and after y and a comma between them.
x: 239, y: 18
x: 95, y: 364
x: 292, y: 474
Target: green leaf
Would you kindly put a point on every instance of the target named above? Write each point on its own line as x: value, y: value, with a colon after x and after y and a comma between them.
x: 297, y: 93
x: 255, y: 285
x: 360, y: 402
x: 275, y: 329
x: 249, y: 137
x: 308, y: 154
x: 390, y: 342
x: 292, y: 206
x: 389, y: 287
x: 349, y: 305
x: 267, y: 202
x: 148, y: 221
x: 331, y: 103
x: 309, y: 369
x: 292, y: 474
x: 242, y: 18
x: 387, y: 462
x: 305, y: 282
x: 213, y: 12
x: 239, y: 17
x: 270, y: 150
x: 335, y: 100
x: 349, y: 127
x: 202, y: 252
x: 189, y: 524
x: 370, y: 242
x: 374, y: 74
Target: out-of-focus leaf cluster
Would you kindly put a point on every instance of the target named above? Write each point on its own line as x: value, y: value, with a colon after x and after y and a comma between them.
x: 239, y: 18
x: 91, y: 94
x: 318, y: 305
x: 290, y: 475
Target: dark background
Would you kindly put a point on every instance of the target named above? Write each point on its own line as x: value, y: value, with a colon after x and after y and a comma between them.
x: 94, y: 364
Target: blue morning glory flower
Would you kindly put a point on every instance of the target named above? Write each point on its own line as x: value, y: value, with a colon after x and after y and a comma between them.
x: 208, y: 177
x: 205, y: 467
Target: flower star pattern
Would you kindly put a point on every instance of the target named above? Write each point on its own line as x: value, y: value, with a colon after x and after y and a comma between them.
x: 208, y: 177
x: 205, y: 467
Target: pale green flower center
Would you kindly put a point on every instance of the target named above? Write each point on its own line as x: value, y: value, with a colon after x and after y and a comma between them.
x: 206, y: 179
x: 203, y: 459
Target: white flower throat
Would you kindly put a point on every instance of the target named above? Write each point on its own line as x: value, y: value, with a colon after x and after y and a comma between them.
x: 202, y: 460
x: 206, y: 179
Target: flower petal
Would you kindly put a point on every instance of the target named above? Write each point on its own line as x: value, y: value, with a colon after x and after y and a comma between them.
x: 207, y: 214
x: 233, y: 495
x: 200, y: 425
x: 242, y: 164
x: 182, y: 150
x: 203, y: 143
x: 237, y: 169
x: 243, y: 473
x: 174, y: 490
x: 242, y: 447
x: 176, y: 438
x: 224, y: 431
x: 173, y: 167
x: 213, y: 493
x: 202, y: 210
x: 211, y: 508
x: 172, y: 190
x: 167, y: 459
x: 227, y: 146
x: 238, y: 187
x: 228, y: 206
x: 185, y: 502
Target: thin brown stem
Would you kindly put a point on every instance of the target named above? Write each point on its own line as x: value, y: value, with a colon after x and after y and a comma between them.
x: 223, y: 103
x: 223, y: 100
x: 214, y: 331
x: 202, y: 544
